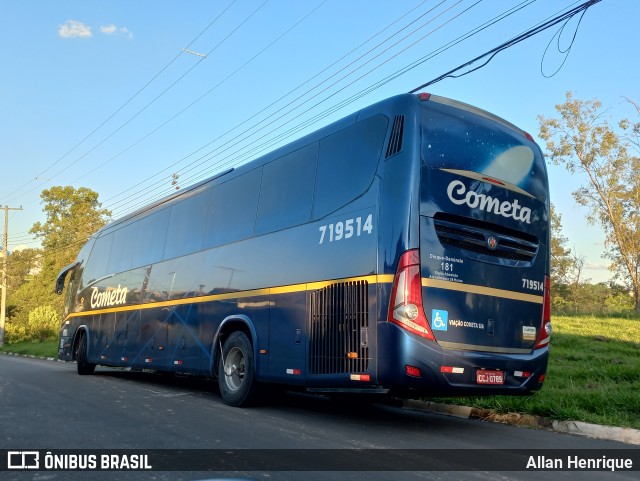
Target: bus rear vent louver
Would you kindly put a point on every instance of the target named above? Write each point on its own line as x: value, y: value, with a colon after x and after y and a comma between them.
x: 395, y: 140
x: 485, y: 238
x: 338, y: 339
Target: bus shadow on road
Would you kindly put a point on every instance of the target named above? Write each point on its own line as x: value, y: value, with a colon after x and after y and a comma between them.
x: 376, y: 410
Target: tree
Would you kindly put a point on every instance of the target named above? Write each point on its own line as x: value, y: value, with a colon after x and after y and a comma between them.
x: 73, y: 215
x: 560, y: 254
x: 582, y: 140
x: 23, y: 264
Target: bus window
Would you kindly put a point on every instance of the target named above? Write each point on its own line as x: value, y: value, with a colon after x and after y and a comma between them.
x: 348, y: 161
x: 186, y: 229
x: 98, y: 260
x: 287, y: 190
x: 233, y: 200
x: 124, y: 241
x: 151, y: 238
x: 474, y: 143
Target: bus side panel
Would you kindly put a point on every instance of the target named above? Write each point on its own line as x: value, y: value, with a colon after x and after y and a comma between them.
x: 287, y: 349
x: 307, y: 261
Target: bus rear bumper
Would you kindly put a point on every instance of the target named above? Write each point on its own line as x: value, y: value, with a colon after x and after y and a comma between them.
x: 411, y: 365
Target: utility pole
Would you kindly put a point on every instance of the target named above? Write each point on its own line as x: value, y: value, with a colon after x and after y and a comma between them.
x: 5, y: 259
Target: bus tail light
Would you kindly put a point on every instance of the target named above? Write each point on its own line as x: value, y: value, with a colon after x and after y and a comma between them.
x: 405, y: 305
x: 412, y: 371
x: 545, y: 329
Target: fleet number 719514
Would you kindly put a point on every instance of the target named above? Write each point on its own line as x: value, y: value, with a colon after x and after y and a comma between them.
x: 346, y: 229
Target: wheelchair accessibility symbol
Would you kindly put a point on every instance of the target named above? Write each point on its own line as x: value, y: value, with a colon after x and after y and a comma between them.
x: 439, y: 320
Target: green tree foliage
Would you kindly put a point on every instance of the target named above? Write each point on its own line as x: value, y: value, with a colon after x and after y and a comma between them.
x: 21, y: 268
x: 561, y: 260
x: 44, y: 322
x: 582, y: 140
x: 593, y: 299
x: 72, y: 216
x: 42, y: 325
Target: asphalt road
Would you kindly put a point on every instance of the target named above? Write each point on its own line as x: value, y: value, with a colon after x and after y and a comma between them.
x: 46, y: 405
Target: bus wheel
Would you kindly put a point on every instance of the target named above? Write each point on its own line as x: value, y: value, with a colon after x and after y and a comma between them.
x: 236, y: 370
x: 84, y: 367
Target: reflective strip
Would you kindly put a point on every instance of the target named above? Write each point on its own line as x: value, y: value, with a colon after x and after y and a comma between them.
x: 267, y: 291
x: 474, y: 347
x: 485, y: 291
x: 451, y: 369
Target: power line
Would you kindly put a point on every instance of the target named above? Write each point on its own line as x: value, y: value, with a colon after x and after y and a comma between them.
x: 306, y: 123
x: 118, y: 110
x: 510, y: 43
x: 172, y: 167
x: 307, y: 98
x: 342, y: 104
x: 205, y: 94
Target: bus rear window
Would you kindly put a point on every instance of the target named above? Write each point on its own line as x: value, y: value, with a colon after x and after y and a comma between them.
x: 454, y: 138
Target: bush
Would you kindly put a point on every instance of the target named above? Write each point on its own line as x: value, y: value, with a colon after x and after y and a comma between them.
x: 44, y: 323
x: 15, y: 333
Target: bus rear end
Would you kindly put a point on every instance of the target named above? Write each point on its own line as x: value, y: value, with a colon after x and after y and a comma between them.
x: 473, y: 300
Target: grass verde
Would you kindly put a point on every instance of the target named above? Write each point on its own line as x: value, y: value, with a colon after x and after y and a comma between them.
x: 593, y: 374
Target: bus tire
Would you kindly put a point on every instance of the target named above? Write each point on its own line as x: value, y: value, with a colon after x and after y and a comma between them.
x: 236, y: 371
x: 84, y: 367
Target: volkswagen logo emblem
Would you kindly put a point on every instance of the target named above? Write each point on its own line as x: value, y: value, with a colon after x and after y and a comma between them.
x: 492, y: 243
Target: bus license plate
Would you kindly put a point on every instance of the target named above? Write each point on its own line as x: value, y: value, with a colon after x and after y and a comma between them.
x: 489, y: 377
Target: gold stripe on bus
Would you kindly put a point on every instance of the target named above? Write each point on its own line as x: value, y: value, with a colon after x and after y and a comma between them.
x: 485, y: 291
x: 310, y: 286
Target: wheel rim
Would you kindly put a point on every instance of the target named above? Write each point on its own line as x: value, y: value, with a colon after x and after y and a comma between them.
x: 234, y: 369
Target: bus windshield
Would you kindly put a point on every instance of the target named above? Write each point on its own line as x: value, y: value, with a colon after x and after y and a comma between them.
x: 473, y: 142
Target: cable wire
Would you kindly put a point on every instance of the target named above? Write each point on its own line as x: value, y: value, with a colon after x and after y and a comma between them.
x: 119, y: 109
x: 510, y: 43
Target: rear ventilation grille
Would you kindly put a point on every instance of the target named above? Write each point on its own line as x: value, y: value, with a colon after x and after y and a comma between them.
x: 485, y: 238
x: 338, y: 340
x: 395, y: 141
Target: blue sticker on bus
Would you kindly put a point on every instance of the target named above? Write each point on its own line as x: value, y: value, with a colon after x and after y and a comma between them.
x: 439, y: 320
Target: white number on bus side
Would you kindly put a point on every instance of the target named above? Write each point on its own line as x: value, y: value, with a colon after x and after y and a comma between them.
x: 346, y: 230
x: 532, y: 285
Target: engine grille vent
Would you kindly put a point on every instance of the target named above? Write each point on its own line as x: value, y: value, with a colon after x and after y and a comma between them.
x: 485, y: 238
x: 338, y: 340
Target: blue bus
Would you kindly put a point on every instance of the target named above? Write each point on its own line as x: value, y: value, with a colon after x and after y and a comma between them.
x: 402, y: 250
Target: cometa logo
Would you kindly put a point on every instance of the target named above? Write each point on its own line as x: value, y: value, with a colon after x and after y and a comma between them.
x: 108, y: 298
x: 459, y: 195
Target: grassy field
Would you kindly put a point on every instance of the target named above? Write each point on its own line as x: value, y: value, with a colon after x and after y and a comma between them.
x: 40, y: 349
x: 593, y: 375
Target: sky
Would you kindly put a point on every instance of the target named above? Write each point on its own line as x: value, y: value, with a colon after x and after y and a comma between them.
x: 121, y: 97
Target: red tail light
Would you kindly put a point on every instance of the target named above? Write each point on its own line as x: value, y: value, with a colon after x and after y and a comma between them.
x: 545, y: 328
x: 405, y: 305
